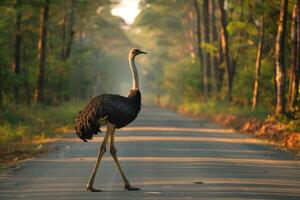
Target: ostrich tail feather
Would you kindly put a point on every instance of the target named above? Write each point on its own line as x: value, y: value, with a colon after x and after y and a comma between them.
x: 85, y: 128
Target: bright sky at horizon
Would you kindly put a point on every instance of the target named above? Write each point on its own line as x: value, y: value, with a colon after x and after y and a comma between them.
x: 127, y: 9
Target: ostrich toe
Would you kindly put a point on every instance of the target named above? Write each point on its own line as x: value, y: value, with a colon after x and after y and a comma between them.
x: 91, y: 189
x: 131, y: 188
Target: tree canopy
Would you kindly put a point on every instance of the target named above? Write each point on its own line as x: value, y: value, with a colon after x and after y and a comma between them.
x: 244, y: 52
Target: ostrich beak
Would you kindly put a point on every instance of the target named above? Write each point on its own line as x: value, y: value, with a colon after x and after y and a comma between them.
x: 142, y: 52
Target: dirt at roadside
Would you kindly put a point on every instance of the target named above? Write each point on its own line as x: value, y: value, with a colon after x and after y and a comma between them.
x: 270, y: 129
x: 11, y: 153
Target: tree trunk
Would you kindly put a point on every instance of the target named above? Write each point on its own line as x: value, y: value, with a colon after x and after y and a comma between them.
x: 214, y: 41
x: 294, y: 75
x: 279, y: 59
x: 71, y: 31
x: 63, y: 32
x: 297, y: 77
x: 207, y: 64
x: 190, y: 33
x: 225, y: 50
x: 199, y: 35
x: 221, y: 70
x: 42, y: 44
x: 17, y: 50
x: 25, y: 72
x: 1, y: 97
x: 258, y: 63
x: 67, y: 24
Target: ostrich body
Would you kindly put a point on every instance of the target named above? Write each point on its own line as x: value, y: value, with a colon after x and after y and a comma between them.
x: 112, y: 110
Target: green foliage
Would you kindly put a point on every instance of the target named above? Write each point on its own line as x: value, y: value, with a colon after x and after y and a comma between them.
x: 25, y: 124
x: 211, y: 107
x: 241, y: 26
x: 96, y: 47
x: 181, y: 80
x: 172, y: 34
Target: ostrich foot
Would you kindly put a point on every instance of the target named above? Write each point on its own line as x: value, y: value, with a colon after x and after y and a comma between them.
x: 128, y: 187
x: 91, y: 189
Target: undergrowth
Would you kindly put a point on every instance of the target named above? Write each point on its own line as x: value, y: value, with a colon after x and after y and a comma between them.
x: 283, y: 131
x: 212, y: 107
x: 24, y: 128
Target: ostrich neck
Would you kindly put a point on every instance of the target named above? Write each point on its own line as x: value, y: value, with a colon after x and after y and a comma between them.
x: 135, y: 78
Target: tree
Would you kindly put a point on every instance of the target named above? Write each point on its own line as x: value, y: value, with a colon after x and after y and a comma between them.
x: 188, y: 21
x: 64, y: 34
x: 17, y: 50
x: 258, y: 63
x: 42, y: 46
x: 1, y: 87
x: 280, y: 69
x: 198, y: 34
x: 295, y: 57
x: 214, y: 41
x: 29, y: 37
x: 68, y: 21
x: 71, y: 31
x: 207, y: 63
x: 225, y: 50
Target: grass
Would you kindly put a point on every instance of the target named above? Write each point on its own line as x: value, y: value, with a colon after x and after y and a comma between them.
x: 24, y: 130
x: 213, y: 107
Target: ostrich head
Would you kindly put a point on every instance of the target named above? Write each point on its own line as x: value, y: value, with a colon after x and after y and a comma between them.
x: 134, y: 52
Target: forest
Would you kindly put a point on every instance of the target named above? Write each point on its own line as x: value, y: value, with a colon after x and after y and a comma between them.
x: 235, y: 58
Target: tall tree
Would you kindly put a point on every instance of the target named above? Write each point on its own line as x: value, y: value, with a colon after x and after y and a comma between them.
x: 71, y: 31
x: 64, y: 31
x: 258, y: 63
x: 280, y: 69
x: 17, y: 48
x: 67, y: 29
x: 214, y: 41
x: 225, y: 50
x: 207, y: 63
x: 295, y: 51
x: 297, y: 77
x: 188, y: 22
x: 198, y: 33
x: 1, y: 87
x: 42, y: 46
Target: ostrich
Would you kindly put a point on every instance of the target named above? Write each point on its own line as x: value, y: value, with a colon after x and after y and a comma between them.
x: 112, y: 110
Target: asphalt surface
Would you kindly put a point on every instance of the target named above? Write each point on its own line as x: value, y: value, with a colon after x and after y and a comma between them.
x: 168, y: 157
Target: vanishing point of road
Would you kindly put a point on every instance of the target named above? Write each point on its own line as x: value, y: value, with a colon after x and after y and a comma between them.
x: 168, y: 157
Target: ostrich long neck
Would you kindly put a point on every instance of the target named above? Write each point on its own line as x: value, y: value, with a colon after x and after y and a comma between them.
x: 135, y: 77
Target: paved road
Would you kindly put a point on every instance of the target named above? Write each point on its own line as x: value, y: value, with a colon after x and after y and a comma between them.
x: 169, y: 157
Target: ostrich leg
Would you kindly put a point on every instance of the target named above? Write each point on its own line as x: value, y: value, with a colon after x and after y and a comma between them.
x: 113, y: 152
x: 102, y: 150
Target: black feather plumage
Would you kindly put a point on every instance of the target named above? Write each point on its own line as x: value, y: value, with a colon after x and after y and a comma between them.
x: 115, y: 109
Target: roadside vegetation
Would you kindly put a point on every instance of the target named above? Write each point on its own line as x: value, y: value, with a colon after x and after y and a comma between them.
x: 24, y: 130
x: 280, y: 131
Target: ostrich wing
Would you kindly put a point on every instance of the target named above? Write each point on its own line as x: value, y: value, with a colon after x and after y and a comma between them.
x: 116, y: 109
